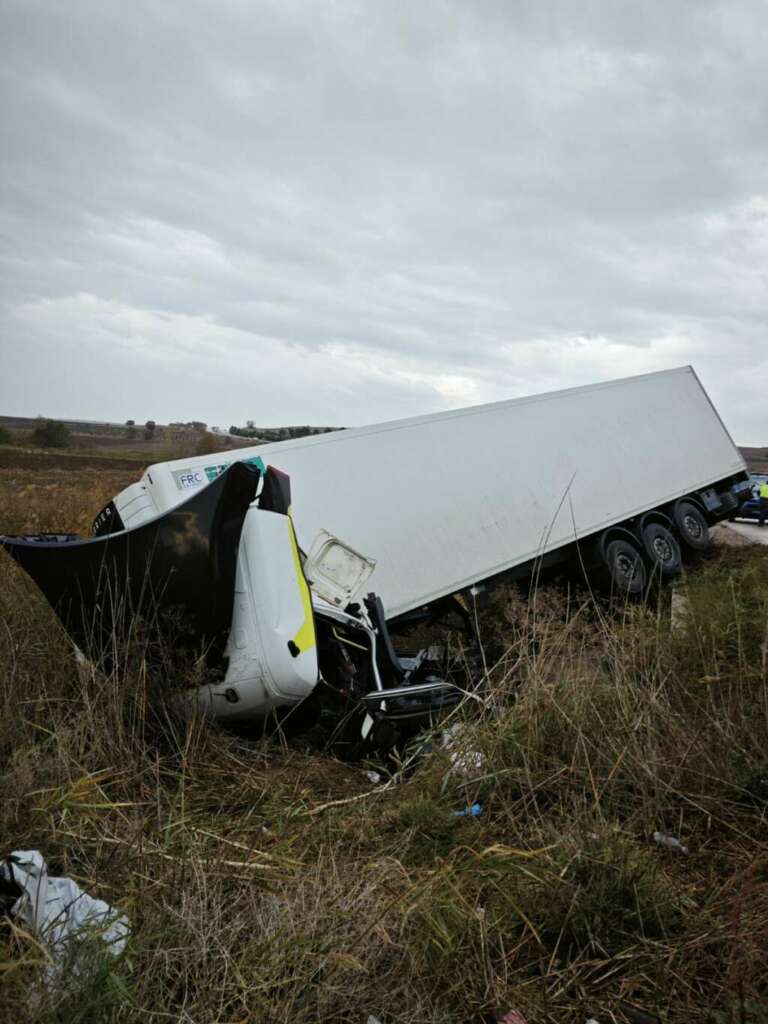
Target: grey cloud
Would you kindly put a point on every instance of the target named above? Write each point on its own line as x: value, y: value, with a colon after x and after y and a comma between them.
x: 358, y: 211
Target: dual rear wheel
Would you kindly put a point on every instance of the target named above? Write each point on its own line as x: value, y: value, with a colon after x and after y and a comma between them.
x: 623, y: 557
x: 691, y: 525
x: 662, y: 549
x: 625, y: 567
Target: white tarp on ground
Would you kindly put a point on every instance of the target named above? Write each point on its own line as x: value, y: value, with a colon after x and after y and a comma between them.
x: 65, y: 917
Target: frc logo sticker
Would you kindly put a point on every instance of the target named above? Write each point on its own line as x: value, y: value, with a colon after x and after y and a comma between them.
x: 186, y: 479
x: 189, y: 478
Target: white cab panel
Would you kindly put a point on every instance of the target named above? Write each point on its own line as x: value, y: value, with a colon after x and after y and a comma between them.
x: 272, y: 647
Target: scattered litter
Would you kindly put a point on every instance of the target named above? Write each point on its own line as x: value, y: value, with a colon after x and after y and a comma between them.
x: 469, y: 812
x: 470, y: 760
x: 592, y: 1021
x: 512, y: 1017
x: 452, y: 733
x: 373, y: 777
x: 61, y: 914
x: 669, y: 841
x: 373, y: 1020
x: 462, y: 760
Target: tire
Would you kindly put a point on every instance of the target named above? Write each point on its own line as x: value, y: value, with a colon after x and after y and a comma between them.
x: 662, y: 549
x: 625, y: 568
x: 692, y: 526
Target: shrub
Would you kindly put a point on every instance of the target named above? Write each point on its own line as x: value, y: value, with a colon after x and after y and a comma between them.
x: 51, y: 434
x: 207, y: 445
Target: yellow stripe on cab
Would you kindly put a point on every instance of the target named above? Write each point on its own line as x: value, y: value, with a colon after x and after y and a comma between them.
x: 305, y: 637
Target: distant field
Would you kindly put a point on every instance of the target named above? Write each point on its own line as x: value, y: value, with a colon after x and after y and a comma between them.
x: 62, y: 490
x: 756, y: 459
x: 105, y: 441
x: 32, y: 459
x: 103, y: 452
x: 52, y: 499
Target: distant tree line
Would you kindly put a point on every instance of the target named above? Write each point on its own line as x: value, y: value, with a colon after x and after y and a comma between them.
x: 55, y: 434
x: 172, y: 430
x: 195, y: 425
x: 278, y: 433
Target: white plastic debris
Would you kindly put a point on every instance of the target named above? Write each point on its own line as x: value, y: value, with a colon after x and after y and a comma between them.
x: 669, y: 841
x: 513, y: 1017
x: 373, y: 777
x: 65, y: 917
x: 463, y: 761
x: 449, y: 736
x: 469, y: 760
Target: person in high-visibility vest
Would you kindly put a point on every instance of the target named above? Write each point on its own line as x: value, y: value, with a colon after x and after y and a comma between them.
x: 763, y: 503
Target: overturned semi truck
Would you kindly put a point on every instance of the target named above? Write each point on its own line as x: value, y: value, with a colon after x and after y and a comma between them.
x: 295, y: 563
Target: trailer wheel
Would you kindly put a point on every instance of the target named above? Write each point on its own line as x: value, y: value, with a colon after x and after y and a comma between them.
x: 662, y: 548
x: 625, y: 567
x: 692, y: 526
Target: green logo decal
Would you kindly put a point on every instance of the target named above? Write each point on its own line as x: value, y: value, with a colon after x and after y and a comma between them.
x: 213, y: 471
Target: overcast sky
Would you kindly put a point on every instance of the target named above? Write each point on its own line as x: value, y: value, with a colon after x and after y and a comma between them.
x: 340, y: 212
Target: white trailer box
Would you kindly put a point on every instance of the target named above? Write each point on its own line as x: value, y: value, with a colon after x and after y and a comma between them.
x: 442, y: 501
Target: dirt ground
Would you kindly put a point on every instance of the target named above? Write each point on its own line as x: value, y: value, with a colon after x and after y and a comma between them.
x: 37, y: 461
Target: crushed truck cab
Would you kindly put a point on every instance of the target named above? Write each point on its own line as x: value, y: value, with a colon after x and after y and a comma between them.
x: 223, y: 567
x: 223, y: 574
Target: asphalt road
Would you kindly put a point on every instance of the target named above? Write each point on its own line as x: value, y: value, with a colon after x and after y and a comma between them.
x: 753, y: 532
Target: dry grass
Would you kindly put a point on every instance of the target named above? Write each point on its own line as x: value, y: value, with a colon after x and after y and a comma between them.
x: 251, y: 900
x: 57, y: 500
